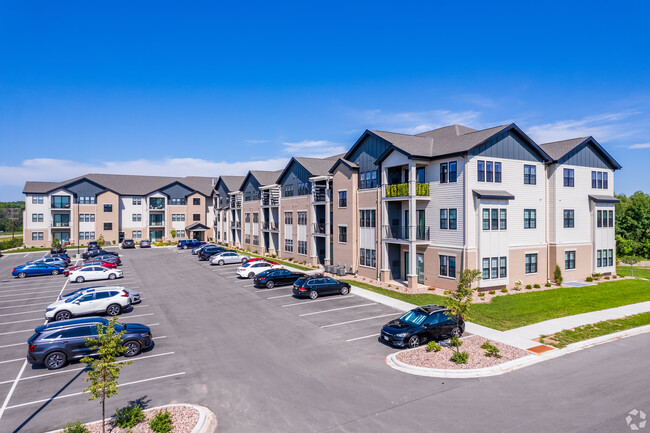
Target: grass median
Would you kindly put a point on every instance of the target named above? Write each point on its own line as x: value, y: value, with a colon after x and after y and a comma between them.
x: 638, y: 271
x: 279, y: 262
x: 521, y: 309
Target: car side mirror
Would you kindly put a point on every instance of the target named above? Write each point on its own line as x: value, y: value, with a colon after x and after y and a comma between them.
x: 76, y: 302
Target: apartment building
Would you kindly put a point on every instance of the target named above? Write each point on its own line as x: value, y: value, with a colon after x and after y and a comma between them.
x: 117, y: 207
x: 250, y: 236
x: 224, y: 223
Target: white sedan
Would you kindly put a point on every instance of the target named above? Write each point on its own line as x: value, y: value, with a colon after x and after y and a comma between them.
x: 91, y: 273
x: 228, y: 257
x: 111, y: 301
x: 252, y: 269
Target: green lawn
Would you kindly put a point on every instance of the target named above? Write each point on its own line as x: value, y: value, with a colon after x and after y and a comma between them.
x: 521, y: 309
x: 25, y: 250
x: 638, y: 272
x: 566, y: 337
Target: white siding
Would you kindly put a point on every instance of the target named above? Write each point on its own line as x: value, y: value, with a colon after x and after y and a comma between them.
x: 445, y: 196
x: 128, y: 209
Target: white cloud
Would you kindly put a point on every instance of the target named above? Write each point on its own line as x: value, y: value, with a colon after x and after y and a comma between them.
x: 253, y: 141
x: 603, y: 127
x: 640, y: 146
x: 41, y: 169
x: 314, y: 148
x: 415, y: 122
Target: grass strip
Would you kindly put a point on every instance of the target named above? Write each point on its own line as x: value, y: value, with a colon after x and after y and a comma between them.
x: 280, y: 262
x: 638, y: 271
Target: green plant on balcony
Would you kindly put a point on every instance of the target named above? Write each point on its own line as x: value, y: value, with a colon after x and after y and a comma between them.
x: 422, y: 189
x: 397, y: 190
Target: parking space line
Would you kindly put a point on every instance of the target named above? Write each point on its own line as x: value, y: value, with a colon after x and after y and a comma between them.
x: 138, y: 315
x: 317, y: 300
x: 337, y: 309
x: 30, y: 293
x: 159, y: 338
x: 24, y: 312
x: 28, y: 299
x: 272, y: 297
x: 79, y: 393
x: 358, y: 320
x: 11, y: 345
x: 153, y: 324
x: 277, y: 288
x: 16, y: 332
x: 360, y: 338
x: 21, y: 321
x: 26, y: 305
x: 12, y: 360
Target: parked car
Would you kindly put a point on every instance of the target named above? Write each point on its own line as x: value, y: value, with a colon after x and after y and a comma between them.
x: 315, y: 285
x: 96, y: 252
x: 92, y: 245
x: 128, y: 243
x: 112, y: 302
x: 198, y: 249
x: 420, y: 325
x: 210, y: 251
x: 33, y: 269
x: 92, y: 273
x: 134, y: 295
x: 255, y: 259
x: 62, y: 256
x: 228, y: 257
x: 56, y: 343
x: 49, y: 261
x: 145, y: 243
x: 58, y: 250
x: 109, y: 258
x: 276, y: 277
x: 188, y: 243
x: 106, y: 264
x: 253, y: 269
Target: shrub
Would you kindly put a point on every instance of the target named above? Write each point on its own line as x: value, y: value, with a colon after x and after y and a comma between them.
x: 433, y: 347
x: 447, y: 292
x: 481, y: 295
x: 75, y: 427
x: 491, y: 350
x: 537, y: 286
x: 607, y: 278
x: 491, y: 292
x: 431, y: 288
x: 614, y: 276
x: 455, y: 342
x: 589, y: 279
x: 529, y: 287
x: 596, y: 275
x: 518, y: 284
x: 129, y: 416
x: 557, y: 275
x: 547, y: 285
x: 162, y: 422
x: 504, y: 290
x: 460, y: 357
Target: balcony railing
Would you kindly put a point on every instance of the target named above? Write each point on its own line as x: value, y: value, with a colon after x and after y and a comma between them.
x: 319, y: 228
x: 402, y: 190
x: 422, y: 189
x: 402, y: 233
x: 156, y: 206
x: 321, y: 194
x: 269, y: 226
x: 235, y: 224
x: 60, y: 224
x: 60, y: 206
x: 156, y: 223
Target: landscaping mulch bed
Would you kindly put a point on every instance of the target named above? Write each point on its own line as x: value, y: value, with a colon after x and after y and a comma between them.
x: 472, y: 344
x: 184, y: 419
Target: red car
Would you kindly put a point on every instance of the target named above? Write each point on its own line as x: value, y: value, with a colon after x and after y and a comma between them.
x: 110, y: 265
x: 253, y: 260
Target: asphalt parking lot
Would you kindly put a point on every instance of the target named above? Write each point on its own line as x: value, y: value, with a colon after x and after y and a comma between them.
x: 263, y: 360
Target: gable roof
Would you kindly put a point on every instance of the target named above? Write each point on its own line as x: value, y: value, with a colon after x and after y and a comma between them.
x: 230, y: 182
x: 559, y: 149
x: 315, y: 166
x: 350, y: 165
x: 263, y: 177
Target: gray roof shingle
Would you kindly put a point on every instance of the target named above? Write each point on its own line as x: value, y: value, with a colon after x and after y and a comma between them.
x: 557, y: 149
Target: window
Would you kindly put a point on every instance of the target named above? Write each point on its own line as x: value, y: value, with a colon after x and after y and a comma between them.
x: 605, y: 183
x: 448, y: 266
x: 486, y: 268
x: 136, y: 200
x: 137, y: 234
x: 530, y: 175
x: 288, y: 217
x: 486, y: 219
x: 86, y: 217
x: 530, y: 218
x: 288, y: 190
x: 569, y: 174
x: 611, y: 218
x: 443, y: 172
x: 497, y: 172
x: 37, y: 236
x: 368, y: 257
x: 569, y: 218
x: 196, y: 217
x: 176, y: 201
x: 37, y: 199
x: 367, y: 218
x: 610, y: 257
x: 599, y: 218
x: 444, y: 265
x: 108, y: 226
x: 503, y: 267
x: 256, y: 218
x: 569, y: 260
x: 60, y: 202
x: 37, y: 217
x: 599, y: 179
x: 288, y: 245
x: 452, y: 219
x: 495, y: 219
x: 480, y: 171
x: 302, y: 247
x: 247, y: 217
x: 453, y: 176
x: 343, y: 199
x: 452, y: 267
x: 489, y: 171
x: 443, y: 219
x: 369, y: 179
x: 137, y: 217
x: 531, y: 263
x: 180, y: 233
x: 302, y: 218
x: 108, y: 208
x: 196, y: 201
x: 593, y: 180
x: 256, y: 241
x: 343, y: 234
x: 503, y: 219
x: 303, y: 188
x: 599, y: 261
x: 87, y: 200
x: 495, y: 267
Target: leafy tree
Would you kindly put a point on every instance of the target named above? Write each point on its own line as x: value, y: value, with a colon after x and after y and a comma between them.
x: 56, y: 243
x: 459, y: 302
x: 633, y: 225
x: 173, y: 233
x: 104, y: 370
x: 101, y: 241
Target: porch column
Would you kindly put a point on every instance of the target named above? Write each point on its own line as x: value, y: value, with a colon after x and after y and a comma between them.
x: 412, y: 277
x: 310, y: 227
x: 384, y: 273
x: 328, y: 222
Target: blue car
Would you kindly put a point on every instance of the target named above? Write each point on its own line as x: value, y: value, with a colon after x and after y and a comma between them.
x: 189, y: 243
x: 31, y: 269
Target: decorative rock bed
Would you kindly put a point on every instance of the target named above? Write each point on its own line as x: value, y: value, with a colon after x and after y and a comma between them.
x: 420, y: 357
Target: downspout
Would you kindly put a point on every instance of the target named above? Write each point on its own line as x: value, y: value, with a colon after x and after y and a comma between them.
x: 464, y: 252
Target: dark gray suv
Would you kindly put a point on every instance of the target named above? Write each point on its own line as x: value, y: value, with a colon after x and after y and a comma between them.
x: 56, y: 343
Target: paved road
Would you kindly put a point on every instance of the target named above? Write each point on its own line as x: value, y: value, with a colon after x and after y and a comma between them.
x: 266, y: 362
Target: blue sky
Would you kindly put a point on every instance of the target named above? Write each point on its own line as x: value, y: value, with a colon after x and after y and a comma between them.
x: 180, y: 88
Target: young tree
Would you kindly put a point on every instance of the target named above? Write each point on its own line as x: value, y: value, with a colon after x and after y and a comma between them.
x: 101, y: 241
x: 56, y: 243
x: 460, y: 302
x: 173, y: 233
x: 557, y: 275
x: 104, y: 370
x: 631, y: 260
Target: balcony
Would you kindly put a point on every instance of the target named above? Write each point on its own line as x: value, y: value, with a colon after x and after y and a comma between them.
x: 235, y: 202
x: 402, y: 190
x: 402, y: 233
x: 235, y: 224
x: 321, y: 194
x: 60, y: 206
x: 156, y: 204
x: 60, y: 224
x: 319, y: 228
x: 156, y: 223
x: 269, y: 226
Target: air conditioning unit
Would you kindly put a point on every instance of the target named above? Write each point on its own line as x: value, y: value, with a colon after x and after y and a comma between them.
x: 341, y: 272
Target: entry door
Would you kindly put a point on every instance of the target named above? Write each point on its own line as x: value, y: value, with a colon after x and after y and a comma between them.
x: 406, y: 225
x: 406, y: 265
x: 420, y: 264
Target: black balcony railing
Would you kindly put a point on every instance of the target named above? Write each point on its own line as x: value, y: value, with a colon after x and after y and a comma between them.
x: 320, y: 194
x: 59, y: 224
x: 402, y: 232
x: 319, y: 228
x: 269, y: 226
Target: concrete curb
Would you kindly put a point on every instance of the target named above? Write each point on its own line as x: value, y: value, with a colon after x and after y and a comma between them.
x: 509, y: 366
x: 383, y: 299
x: 207, y: 422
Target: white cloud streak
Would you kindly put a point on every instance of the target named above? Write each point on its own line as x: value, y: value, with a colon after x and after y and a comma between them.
x: 640, y: 146
x: 415, y: 122
x: 314, y: 148
x: 602, y: 127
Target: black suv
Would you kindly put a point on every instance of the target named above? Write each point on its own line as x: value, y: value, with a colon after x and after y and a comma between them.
x: 56, y: 343
x: 316, y: 285
x: 276, y: 277
x: 58, y: 251
x: 211, y: 251
x: 93, y: 253
x: 421, y: 324
x: 128, y: 243
x: 92, y: 245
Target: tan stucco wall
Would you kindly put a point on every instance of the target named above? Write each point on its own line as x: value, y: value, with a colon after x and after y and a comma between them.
x: 101, y: 217
x: 345, y: 254
x: 584, y: 262
x: 517, y: 264
x: 432, y: 268
x: 295, y: 205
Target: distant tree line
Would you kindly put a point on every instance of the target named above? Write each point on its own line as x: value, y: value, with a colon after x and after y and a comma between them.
x: 633, y: 225
x: 11, y: 216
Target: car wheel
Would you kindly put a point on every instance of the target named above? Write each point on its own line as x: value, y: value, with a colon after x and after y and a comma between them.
x: 184, y: 247
x: 221, y: 263
x: 132, y: 348
x: 55, y: 272
x: 113, y: 310
x: 456, y: 332
x: 251, y: 275
x: 55, y: 360
x: 345, y: 290
x: 62, y: 315
x: 313, y: 294
x: 80, y: 279
x: 21, y: 275
x: 111, y: 276
x: 270, y: 284
x: 414, y: 341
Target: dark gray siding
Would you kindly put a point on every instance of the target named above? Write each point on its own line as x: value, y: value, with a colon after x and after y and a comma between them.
x: 295, y: 175
x: 250, y: 189
x: 507, y: 146
x: 222, y: 192
x: 585, y: 155
x: 176, y: 191
x: 366, y: 154
x: 83, y: 188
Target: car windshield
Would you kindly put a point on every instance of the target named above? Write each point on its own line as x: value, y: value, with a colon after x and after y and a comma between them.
x: 73, y: 298
x: 413, y: 318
